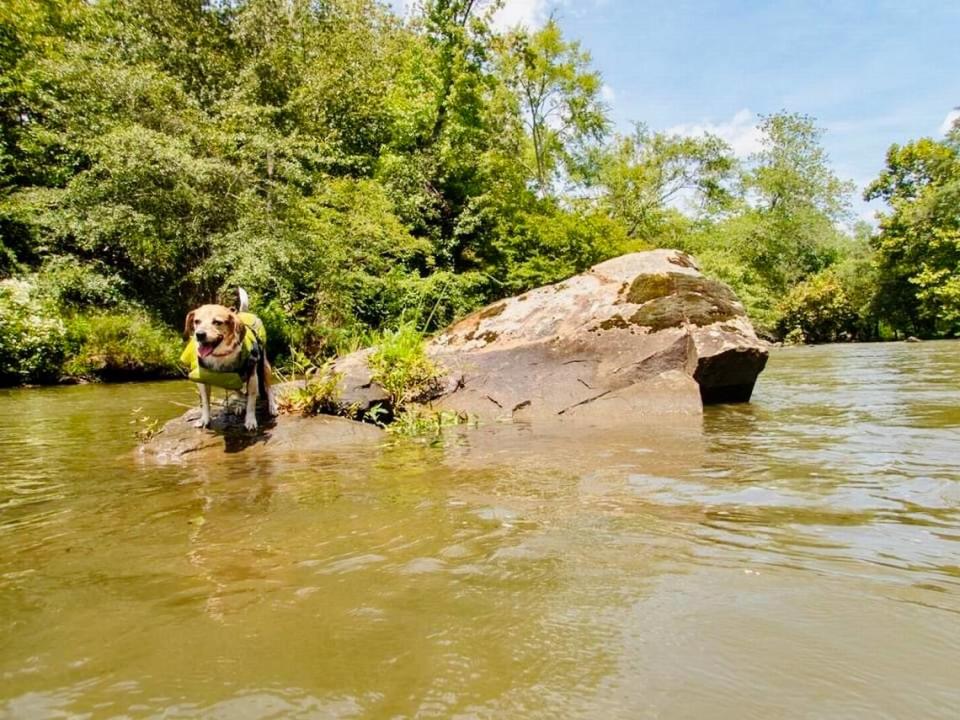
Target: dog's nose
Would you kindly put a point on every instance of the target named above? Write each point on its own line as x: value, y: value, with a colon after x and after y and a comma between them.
x: 201, y: 335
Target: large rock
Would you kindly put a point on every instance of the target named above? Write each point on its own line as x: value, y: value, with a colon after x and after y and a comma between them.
x: 180, y: 440
x: 644, y: 335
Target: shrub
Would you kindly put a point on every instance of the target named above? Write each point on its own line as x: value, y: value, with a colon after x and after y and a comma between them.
x: 33, y: 340
x: 122, y: 346
x: 71, y: 284
x: 817, y: 311
x: 320, y: 392
x: 401, y: 367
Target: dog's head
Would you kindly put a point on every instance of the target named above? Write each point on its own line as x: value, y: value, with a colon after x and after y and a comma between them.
x: 217, y: 330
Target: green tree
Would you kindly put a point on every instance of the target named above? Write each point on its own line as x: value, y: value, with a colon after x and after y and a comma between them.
x: 918, y: 246
x: 797, y: 202
x: 645, y: 176
x: 558, y: 96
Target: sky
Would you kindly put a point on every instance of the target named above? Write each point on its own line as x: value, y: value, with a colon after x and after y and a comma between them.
x: 871, y: 72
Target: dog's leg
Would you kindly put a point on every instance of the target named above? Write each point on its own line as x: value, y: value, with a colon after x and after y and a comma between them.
x: 250, y: 420
x: 268, y: 389
x: 204, y: 420
x: 271, y: 403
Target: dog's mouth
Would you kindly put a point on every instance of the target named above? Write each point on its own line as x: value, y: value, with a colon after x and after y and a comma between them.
x: 206, y: 348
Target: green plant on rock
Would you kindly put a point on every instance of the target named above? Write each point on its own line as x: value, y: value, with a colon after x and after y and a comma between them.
x: 424, y: 422
x: 320, y: 393
x: 144, y: 426
x: 401, y: 367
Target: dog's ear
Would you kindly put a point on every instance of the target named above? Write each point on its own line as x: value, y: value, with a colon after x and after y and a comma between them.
x: 188, y: 324
x: 235, y: 327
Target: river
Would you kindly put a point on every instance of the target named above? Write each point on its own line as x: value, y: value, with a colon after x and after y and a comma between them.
x: 796, y: 557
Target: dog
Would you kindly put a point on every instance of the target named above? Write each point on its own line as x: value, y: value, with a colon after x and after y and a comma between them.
x: 228, y: 350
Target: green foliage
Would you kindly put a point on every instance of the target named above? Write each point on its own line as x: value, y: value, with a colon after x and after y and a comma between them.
x: 548, y: 244
x: 818, y: 311
x: 918, y: 247
x: 797, y: 203
x: 400, y: 365
x: 121, y: 346
x: 73, y: 285
x: 643, y: 174
x: 559, y: 98
x: 352, y: 170
x: 320, y: 392
x: 425, y: 423
x: 33, y: 340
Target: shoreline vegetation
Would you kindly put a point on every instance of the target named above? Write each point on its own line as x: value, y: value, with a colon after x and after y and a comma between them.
x: 357, y: 172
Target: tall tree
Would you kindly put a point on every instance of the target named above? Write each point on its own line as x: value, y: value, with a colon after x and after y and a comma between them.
x: 559, y: 98
x: 646, y: 176
x: 918, y: 246
x: 797, y: 199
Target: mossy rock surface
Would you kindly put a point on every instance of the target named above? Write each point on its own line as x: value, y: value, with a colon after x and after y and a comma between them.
x: 651, y: 287
x: 617, y: 322
x: 685, y: 307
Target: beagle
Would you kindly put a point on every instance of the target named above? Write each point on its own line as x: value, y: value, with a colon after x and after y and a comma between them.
x: 227, y: 349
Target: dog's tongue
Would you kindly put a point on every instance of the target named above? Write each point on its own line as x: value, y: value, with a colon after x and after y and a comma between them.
x: 204, y: 350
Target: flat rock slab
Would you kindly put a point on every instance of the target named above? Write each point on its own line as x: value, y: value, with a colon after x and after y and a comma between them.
x: 180, y: 440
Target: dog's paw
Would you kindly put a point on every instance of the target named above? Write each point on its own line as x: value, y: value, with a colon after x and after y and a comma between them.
x: 272, y: 407
x: 250, y: 423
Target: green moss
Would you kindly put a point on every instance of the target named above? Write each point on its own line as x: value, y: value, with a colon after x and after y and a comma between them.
x: 649, y: 287
x: 685, y: 307
x: 616, y: 322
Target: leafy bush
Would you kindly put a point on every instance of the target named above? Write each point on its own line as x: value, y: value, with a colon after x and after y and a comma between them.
x: 320, y: 392
x: 33, y: 340
x: 122, y: 346
x: 817, y: 311
x: 72, y: 284
x: 401, y: 367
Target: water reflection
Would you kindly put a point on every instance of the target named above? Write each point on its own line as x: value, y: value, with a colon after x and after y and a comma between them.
x: 794, y: 557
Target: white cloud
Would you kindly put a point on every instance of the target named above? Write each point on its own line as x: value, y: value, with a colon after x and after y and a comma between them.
x: 608, y: 94
x: 529, y: 13
x: 949, y: 120
x: 740, y: 132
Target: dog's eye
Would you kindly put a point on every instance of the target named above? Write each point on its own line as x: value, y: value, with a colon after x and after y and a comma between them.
x: 218, y: 322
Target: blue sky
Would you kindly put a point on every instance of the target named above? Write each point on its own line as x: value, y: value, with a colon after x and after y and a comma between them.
x: 871, y: 73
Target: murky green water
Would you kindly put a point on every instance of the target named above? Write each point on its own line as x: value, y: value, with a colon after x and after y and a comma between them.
x: 794, y: 558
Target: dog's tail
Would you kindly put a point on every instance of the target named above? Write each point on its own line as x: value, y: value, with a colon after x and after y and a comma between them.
x: 244, y: 299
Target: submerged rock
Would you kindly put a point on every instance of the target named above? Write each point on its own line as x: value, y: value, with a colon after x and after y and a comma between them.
x: 180, y: 440
x: 643, y: 335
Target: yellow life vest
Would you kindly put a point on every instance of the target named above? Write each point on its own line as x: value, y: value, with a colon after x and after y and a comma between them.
x: 251, y: 351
